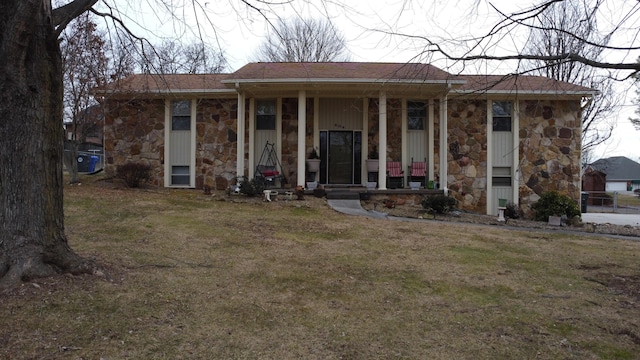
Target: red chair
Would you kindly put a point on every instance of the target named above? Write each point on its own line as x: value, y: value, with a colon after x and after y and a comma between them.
x: 395, y: 175
x: 418, y: 172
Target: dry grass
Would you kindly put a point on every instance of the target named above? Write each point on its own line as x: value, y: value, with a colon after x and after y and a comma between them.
x: 194, y: 277
x: 628, y: 200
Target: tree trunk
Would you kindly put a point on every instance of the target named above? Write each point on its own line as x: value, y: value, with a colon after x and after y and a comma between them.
x: 70, y: 160
x: 32, y: 239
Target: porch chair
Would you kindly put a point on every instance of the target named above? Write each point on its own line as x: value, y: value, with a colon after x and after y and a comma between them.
x: 418, y: 172
x: 395, y: 175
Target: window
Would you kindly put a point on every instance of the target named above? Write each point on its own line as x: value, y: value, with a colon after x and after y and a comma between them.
x: 266, y: 115
x: 179, y: 175
x: 181, y: 115
x: 92, y: 131
x: 416, y: 115
x: 501, y: 176
x: 502, y: 116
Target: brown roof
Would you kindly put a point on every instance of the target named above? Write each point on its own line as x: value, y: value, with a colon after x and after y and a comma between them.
x: 341, y: 70
x: 519, y: 83
x: 338, y: 73
x: 170, y: 83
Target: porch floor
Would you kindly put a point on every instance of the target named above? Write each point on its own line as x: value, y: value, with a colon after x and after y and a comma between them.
x: 354, y: 192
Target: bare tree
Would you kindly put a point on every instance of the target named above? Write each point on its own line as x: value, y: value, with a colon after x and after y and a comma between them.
x: 32, y: 239
x: 569, y: 27
x: 174, y: 57
x: 636, y: 120
x: 489, y: 46
x: 85, y: 65
x: 303, y: 40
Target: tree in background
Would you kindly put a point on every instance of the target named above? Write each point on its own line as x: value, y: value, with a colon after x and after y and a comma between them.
x: 571, y: 28
x: 303, y: 40
x: 636, y: 121
x: 84, y: 64
x: 174, y: 57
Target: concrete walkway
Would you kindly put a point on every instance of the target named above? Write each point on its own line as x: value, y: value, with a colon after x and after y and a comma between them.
x: 352, y: 207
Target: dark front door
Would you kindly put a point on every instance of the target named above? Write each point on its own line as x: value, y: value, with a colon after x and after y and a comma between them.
x: 341, y: 153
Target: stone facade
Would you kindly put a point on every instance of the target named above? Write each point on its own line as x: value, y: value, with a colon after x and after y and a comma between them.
x: 467, y: 152
x: 134, y: 132
x: 549, y: 146
x: 550, y: 149
x: 216, y: 142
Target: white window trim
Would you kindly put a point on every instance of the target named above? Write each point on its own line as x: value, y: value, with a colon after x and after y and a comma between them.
x: 515, y: 130
x: 167, y: 143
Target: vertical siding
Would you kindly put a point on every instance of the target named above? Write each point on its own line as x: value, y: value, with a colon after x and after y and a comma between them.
x: 503, y: 149
x: 261, y: 138
x: 180, y: 148
x: 340, y: 114
x: 416, y: 146
x: 501, y: 192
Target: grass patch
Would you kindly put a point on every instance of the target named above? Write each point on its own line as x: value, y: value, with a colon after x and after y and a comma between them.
x: 194, y: 276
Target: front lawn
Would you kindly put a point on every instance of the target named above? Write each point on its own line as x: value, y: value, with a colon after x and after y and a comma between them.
x: 213, y: 277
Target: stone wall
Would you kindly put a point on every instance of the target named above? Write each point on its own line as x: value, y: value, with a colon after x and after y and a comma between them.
x: 550, y: 149
x: 216, y: 142
x: 134, y: 132
x: 467, y: 153
x: 290, y: 137
x: 394, y: 128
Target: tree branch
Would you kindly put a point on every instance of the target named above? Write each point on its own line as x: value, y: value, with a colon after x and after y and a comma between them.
x: 62, y: 16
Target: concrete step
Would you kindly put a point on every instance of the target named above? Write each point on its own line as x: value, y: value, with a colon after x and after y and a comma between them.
x: 339, y: 194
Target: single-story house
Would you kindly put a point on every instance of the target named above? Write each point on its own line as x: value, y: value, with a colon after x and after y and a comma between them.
x: 483, y: 137
x: 622, y: 173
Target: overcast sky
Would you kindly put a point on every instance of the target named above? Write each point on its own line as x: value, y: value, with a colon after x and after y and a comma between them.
x: 366, y: 24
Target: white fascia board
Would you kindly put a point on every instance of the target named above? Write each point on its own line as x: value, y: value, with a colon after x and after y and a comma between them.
x: 525, y: 92
x: 285, y: 81
x: 170, y: 92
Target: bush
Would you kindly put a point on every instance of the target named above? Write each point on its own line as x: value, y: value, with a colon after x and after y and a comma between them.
x: 134, y: 174
x: 512, y: 211
x: 439, y: 204
x: 554, y: 204
x: 251, y: 187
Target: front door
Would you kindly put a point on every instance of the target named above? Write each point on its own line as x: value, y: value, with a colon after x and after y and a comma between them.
x: 340, y: 153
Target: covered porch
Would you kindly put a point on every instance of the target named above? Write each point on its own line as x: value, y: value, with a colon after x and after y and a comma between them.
x: 345, y: 121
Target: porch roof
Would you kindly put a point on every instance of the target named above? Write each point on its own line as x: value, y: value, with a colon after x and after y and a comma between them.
x: 347, y: 78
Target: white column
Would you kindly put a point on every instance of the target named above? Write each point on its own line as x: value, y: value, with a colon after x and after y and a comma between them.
x: 444, y: 166
x: 302, y: 129
x: 382, y: 170
x: 490, y: 210
x: 430, y: 141
x: 405, y: 133
x: 241, y: 131
x: 365, y: 140
x: 515, y: 167
x: 252, y: 138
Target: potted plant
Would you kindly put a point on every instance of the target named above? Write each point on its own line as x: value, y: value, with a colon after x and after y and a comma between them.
x: 313, y: 162
x: 372, y: 161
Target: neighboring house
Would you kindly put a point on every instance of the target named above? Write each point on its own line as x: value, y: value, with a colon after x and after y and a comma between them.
x: 483, y: 137
x: 622, y: 173
x: 91, y: 126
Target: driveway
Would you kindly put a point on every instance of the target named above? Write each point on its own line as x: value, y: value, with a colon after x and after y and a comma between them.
x: 352, y: 207
x: 610, y: 218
